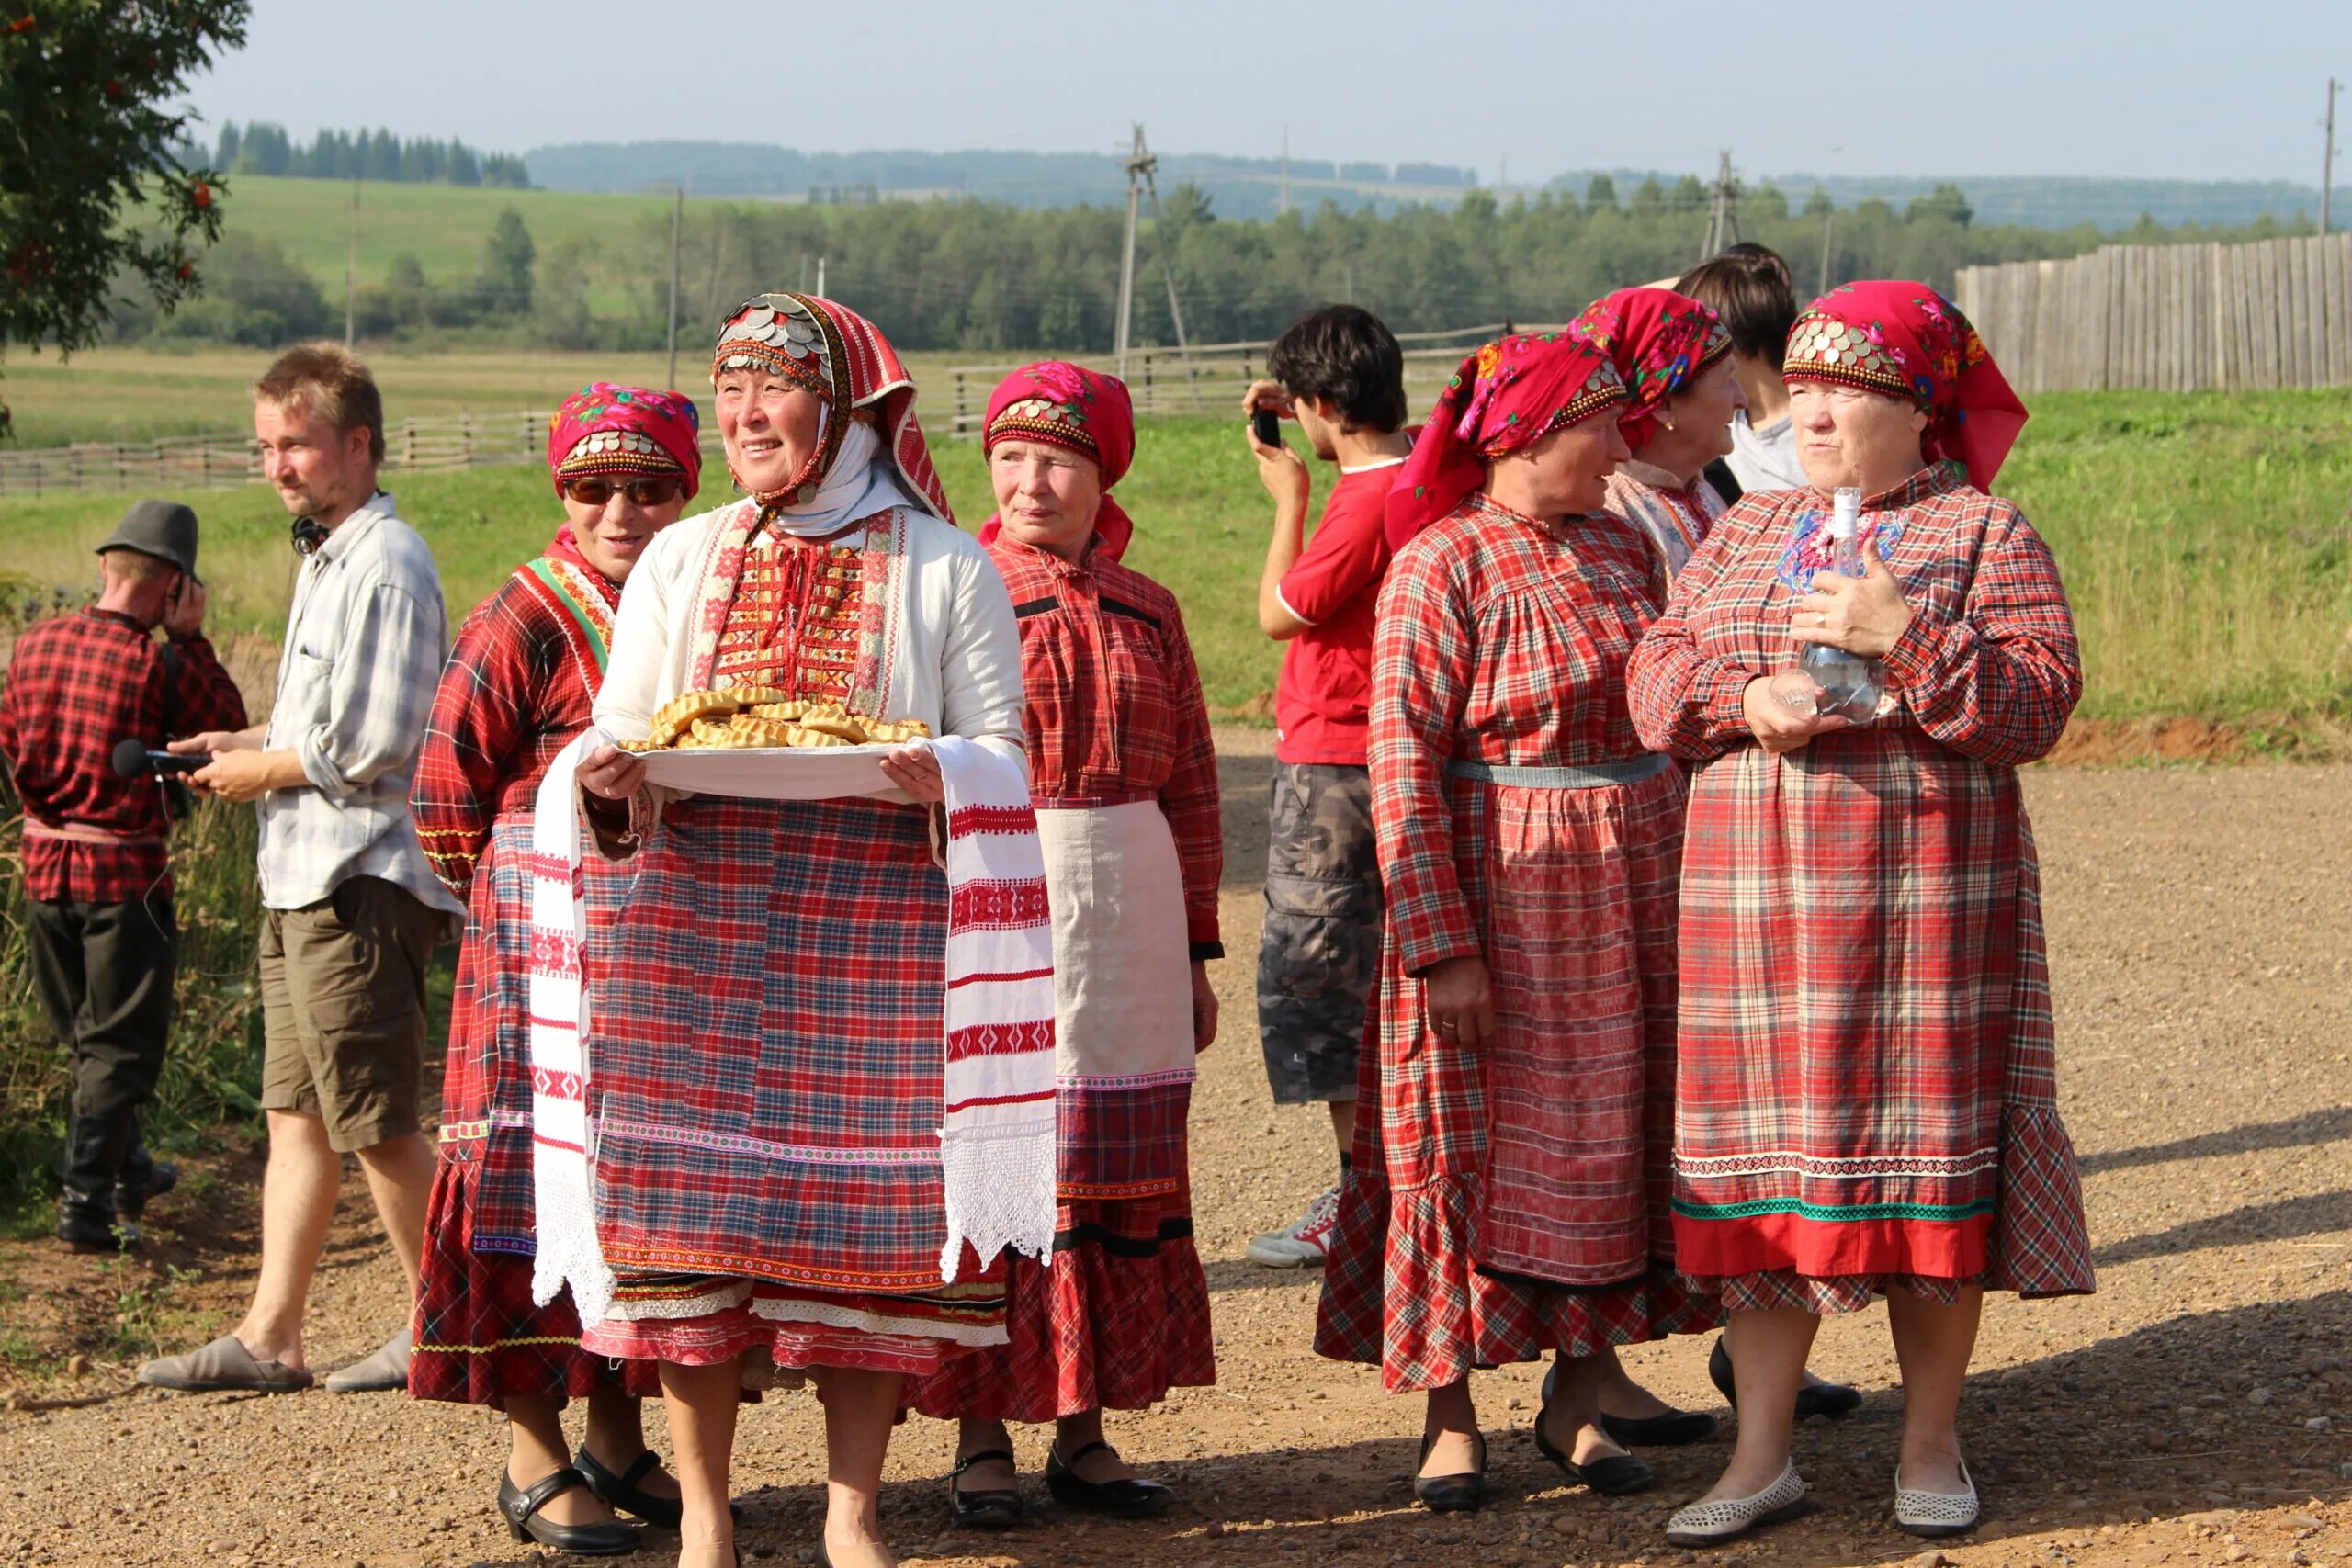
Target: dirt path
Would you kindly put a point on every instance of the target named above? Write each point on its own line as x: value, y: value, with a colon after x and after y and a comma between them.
x: 2198, y: 1410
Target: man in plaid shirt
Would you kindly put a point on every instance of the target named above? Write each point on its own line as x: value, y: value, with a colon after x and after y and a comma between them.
x: 350, y: 910
x: 97, y: 879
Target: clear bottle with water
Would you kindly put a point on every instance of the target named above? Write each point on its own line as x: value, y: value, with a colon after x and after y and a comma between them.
x: 1845, y: 683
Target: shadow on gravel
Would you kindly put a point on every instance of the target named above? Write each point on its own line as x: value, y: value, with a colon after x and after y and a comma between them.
x: 2329, y: 1127
x: 1242, y: 786
x: 2313, y: 1215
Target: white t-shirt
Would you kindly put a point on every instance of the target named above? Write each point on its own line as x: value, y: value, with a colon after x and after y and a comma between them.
x: 1765, y: 458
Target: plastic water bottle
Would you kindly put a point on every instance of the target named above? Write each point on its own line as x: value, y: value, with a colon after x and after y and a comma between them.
x: 1845, y: 683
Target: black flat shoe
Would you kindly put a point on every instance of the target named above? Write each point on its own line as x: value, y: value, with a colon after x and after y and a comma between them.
x: 620, y: 1492
x: 520, y: 1506
x: 1672, y: 1430
x: 1832, y: 1401
x: 997, y: 1509
x: 1452, y: 1494
x: 1131, y: 1499
x: 141, y: 1184
x: 1614, y: 1476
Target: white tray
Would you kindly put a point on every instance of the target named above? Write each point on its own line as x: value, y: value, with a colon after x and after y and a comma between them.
x: 775, y: 772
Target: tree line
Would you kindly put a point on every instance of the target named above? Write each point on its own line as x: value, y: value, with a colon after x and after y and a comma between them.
x: 988, y: 279
x: 259, y: 147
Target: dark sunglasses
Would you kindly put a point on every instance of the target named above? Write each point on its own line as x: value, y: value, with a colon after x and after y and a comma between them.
x: 659, y: 490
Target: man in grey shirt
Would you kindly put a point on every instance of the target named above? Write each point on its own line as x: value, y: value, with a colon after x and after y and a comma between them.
x: 350, y: 910
x: 1749, y: 287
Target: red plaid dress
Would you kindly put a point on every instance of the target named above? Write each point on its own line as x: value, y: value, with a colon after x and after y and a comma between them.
x: 1868, y: 1064
x: 1115, y: 716
x: 77, y: 685
x: 1507, y: 1202
x: 767, y: 1061
x: 516, y: 689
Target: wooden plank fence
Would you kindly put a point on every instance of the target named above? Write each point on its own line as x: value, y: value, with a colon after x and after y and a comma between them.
x: 1208, y: 380
x: 2170, y: 318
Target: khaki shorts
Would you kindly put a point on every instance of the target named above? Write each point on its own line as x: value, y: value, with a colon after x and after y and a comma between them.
x: 342, y: 1010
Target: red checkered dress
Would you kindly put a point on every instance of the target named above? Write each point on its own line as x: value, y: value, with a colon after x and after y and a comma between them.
x: 1867, y: 1080
x: 1120, y: 1314
x: 1507, y: 1202
x: 77, y: 685
x: 767, y: 1061
x: 516, y: 689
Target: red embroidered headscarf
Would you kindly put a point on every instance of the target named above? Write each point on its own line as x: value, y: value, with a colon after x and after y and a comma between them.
x: 844, y: 360
x: 1658, y: 341
x: 1070, y: 406
x: 605, y: 429
x: 1506, y: 396
x: 1907, y: 340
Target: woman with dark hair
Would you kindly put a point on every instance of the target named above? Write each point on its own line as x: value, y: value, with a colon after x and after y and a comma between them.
x: 1681, y: 397
x: 1498, y: 1207
x: 526, y: 665
x: 1123, y: 779
x: 1866, y: 1103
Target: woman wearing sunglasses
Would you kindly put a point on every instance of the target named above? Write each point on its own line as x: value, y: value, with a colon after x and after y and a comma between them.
x: 517, y: 687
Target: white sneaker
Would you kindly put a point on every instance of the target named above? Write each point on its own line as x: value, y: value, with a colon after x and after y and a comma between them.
x: 1303, y: 1244
x: 1711, y: 1524
x: 1934, y: 1514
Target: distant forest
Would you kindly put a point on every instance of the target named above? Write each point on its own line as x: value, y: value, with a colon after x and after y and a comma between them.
x: 988, y: 278
x: 261, y: 148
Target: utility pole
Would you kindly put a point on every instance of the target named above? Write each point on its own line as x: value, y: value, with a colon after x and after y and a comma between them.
x: 1828, y: 220
x: 1723, y: 212
x: 1285, y: 205
x: 677, y: 215
x: 2327, y: 157
x: 820, y: 277
x: 351, y: 271
x: 1502, y: 181
x: 1142, y: 170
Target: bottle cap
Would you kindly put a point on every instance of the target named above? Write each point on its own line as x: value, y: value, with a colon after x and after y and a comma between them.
x: 1846, y: 511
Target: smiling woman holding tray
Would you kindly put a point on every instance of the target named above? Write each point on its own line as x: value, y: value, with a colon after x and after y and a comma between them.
x: 776, y: 1170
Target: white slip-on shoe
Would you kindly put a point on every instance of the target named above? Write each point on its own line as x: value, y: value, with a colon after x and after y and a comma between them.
x: 1711, y: 1524
x: 1934, y: 1514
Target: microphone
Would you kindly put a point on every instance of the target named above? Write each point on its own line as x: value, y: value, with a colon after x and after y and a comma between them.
x: 134, y: 759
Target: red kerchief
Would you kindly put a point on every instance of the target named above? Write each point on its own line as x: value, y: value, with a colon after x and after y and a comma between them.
x: 1657, y: 340
x: 843, y: 358
x: 1085, y: 410
x: 605, y: 429
x: 1907, y: 340
x: 1506, y: 396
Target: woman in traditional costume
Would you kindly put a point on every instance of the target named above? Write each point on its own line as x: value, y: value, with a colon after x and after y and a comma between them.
x: 1499, y: 1206
x: 1123, y: 777
x: 1867, y: 1096
x: 785, y: 1168
x: 516, y: 689
x: 1680, y: 395
x: 1675, y: 358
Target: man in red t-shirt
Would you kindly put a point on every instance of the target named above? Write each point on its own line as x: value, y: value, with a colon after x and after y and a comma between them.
x: 1338, y: 372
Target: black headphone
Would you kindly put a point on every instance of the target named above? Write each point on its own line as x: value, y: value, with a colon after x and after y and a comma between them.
x: 308, y: 534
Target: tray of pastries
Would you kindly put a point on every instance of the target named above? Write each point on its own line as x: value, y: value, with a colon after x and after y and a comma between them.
x: 763, y: 744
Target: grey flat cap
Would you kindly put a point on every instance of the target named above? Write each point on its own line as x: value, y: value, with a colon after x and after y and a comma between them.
x: 165, y: 529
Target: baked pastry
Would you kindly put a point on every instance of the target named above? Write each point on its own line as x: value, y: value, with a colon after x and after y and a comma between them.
x: 837, y: 723
x: 679, y: 715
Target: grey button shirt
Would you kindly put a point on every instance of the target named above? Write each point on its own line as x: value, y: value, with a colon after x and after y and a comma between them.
x: 364, y: 648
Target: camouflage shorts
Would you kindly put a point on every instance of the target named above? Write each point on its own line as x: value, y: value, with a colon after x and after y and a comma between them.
x: 1319, y: 954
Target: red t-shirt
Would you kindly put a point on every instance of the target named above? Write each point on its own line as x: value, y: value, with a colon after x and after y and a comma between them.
x: 1325, y: 684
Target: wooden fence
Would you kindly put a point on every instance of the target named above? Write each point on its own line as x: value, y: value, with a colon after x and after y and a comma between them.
x: 1209, y: 381
x: 2170, y: 318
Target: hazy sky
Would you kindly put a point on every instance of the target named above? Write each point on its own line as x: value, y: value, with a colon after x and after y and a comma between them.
x: 2159, y: 88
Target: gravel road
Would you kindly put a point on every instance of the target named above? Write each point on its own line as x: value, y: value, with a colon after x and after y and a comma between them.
x: 2197, y: 1410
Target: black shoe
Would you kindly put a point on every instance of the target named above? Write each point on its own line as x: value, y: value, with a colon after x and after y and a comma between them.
x: 1832, y: 1401
x: 1130, y: 1499
x: 994, y: 1510
x: 520, y: 1506
x: 1672, y: 1430
x: 1614, y: 1476
x: 142, y: 1183
x: 1452, y: 1494
x: 620, y: 1494
x: 84, y: 1231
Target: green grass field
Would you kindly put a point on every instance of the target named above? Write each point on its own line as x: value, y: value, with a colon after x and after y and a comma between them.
x: 2205, y: 541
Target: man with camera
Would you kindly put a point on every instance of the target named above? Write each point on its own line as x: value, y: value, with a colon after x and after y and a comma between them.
x: 84, y: 692
x: 350, y: 909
